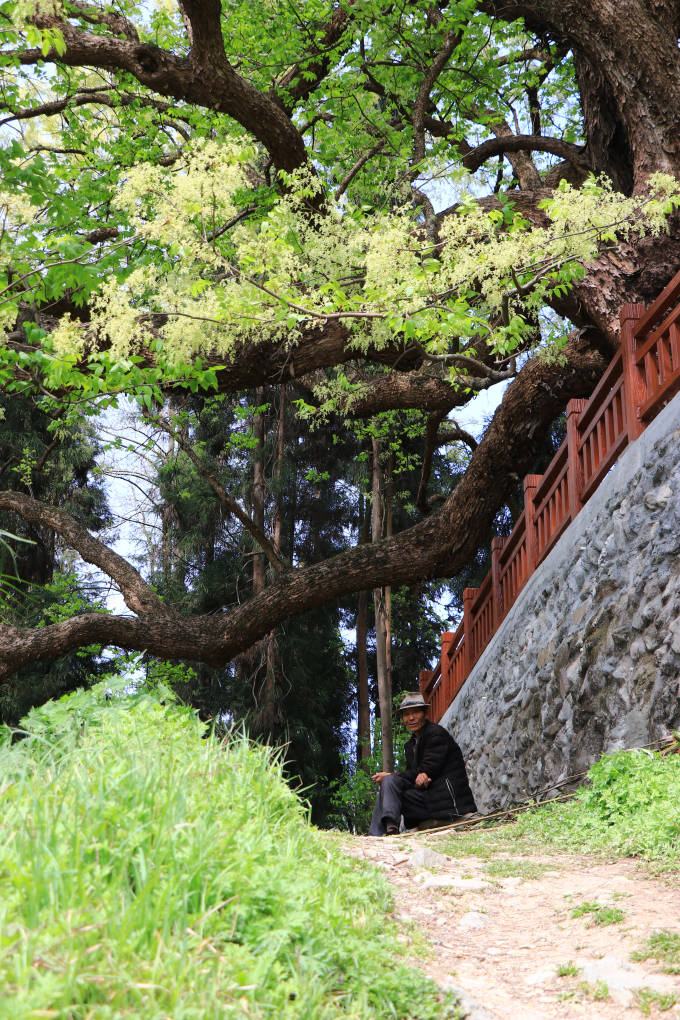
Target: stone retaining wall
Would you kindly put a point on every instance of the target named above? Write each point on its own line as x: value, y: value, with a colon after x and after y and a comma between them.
x: 588, y: 658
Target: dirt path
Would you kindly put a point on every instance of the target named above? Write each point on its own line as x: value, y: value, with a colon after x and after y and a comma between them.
x: 502, y: 928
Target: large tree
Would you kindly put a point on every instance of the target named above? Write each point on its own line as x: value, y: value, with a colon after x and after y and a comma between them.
x: 393, y: 205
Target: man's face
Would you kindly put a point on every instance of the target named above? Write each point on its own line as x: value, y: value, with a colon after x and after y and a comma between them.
x: 414, y: 719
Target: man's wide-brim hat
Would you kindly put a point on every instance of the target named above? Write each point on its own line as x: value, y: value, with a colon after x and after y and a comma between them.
x: 412, y: 700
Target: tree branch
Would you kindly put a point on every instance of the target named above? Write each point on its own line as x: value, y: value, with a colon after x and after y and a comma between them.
x: 361, y: 162
x: 436, y: 547
x: 574, y: 154
x: 206, y: 79
x: 139, y: 597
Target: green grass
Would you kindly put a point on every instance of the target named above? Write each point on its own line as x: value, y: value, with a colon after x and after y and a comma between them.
x: 586, y: 990
x: 599, y: 913
x: 663, y: 946
x: 630, y: 806
x: 148, y: 871
x: 645, y: 998
x: 569, y: 969
x: 598, y: 991
x: 527, y: 870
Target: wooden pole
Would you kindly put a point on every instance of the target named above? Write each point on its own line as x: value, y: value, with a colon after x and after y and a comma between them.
x: 634, y: 391
x: 497, y: 544
x: 574, y: 471
x: 468, y: 597
x: 531, y: 483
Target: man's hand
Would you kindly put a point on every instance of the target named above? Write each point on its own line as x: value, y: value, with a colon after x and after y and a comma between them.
x: 422, y: 780
x: 379, y: 776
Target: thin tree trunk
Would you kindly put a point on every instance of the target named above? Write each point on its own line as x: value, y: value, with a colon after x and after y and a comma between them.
x: 167, y: 515
x: 364, y: 713
x: 271, y: 714
x: 384, y: 689
x: 388, y: 587
x: 259, y: 492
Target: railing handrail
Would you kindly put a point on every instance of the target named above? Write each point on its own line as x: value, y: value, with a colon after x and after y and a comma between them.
x: 640, y: 379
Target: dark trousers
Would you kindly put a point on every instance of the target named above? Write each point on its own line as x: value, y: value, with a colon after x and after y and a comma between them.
x: 396, y: 797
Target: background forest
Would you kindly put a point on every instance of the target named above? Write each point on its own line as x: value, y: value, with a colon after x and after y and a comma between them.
x: 255, y: 261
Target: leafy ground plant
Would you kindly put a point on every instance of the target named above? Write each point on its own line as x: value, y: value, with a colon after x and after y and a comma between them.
x: 599, y: 913
x: 646, y: 998
x: 149, y: 870
x: 630, y: 806
x: 569, y: 969
x: 664, y: 946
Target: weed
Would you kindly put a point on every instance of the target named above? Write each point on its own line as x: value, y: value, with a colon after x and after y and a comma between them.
x: 584, y: 990
x: 601, y: 914
x: 664, y: 946
x: 568, y: 969
x: 516, y: 869
x: 630, y: 806
x: 599, y: 991
x: 645, y: 998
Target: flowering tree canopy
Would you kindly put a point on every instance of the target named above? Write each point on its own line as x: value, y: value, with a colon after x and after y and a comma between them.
x: 385, y: 208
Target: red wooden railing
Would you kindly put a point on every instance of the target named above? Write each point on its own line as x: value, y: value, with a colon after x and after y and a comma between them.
x: 641, y: 379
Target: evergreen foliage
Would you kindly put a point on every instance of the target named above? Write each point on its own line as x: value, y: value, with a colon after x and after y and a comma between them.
x: 55, y: 463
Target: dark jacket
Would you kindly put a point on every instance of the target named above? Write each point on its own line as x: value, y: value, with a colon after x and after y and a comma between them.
x: 437, y: 754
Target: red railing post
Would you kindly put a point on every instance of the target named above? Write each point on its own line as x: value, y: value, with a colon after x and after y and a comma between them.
x: 497, y: 544
x: 424, y: 678
x: 468, y: 596
x: 633, y: 384
x: 574, y: 472
x: 447, y: 638
x: 531, y: 483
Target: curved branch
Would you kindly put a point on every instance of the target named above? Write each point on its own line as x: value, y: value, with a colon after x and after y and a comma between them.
x: 574, y: 154
x: 433, y: 423
x: 86, y: 97
x: 436, y: 547
x: 139, y: 597
x: 206, y: 78
x: 456, y: 435
x: 451, y: 40
x: 361, y: 162
x: 300, y: 80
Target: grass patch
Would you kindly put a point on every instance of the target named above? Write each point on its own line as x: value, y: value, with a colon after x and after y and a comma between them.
x: 599, y: 913
x: 646, y: 998
x: 568, y: 969
x: 599, y: 991
x: 664, y: 947
x: 585, y: 990
x: 150, y: 871
x: 527, y: 870
x: 630, y: 806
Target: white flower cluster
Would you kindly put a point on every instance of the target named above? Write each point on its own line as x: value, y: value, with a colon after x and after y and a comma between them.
x: 212, y: 277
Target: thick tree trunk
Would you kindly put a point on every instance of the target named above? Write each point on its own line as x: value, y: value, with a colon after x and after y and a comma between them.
x: 388, y: 587
x: 628, y: 70
x: 271, y: 712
